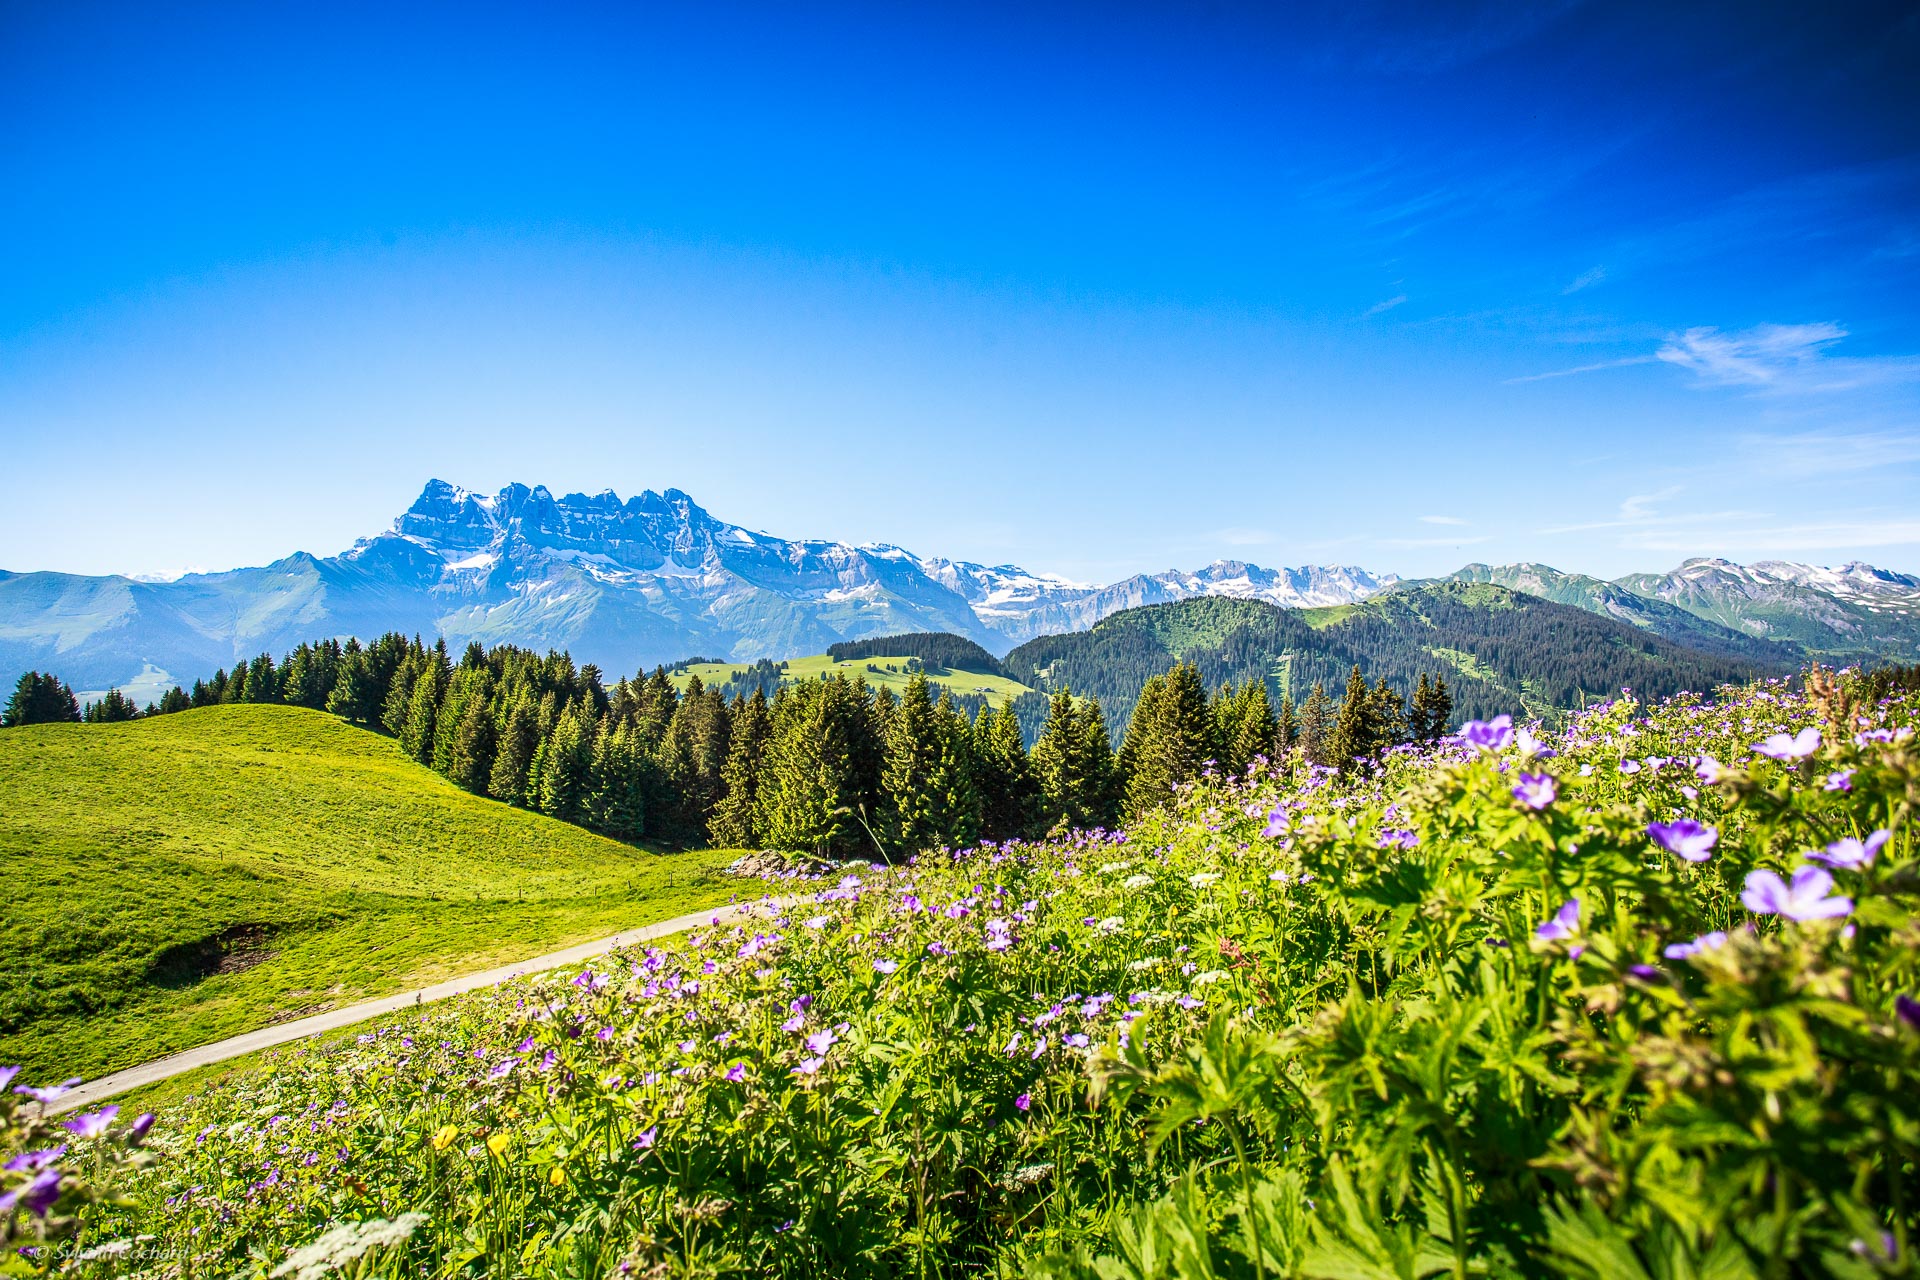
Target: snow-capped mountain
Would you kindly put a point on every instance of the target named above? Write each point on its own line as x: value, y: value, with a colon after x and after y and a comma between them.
x: 623, y: 584
x: 629, y: 583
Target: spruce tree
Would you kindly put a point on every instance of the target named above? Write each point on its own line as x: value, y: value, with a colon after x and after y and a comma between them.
x: 111, y: 709
x: 802, y: 802
x: 566, y: 771
x: 1316, y: 726
x: 1286, y: 729
x: 736, y: 822
x: 1170, y: 744
x: 1354, y: 731
x: 1009, y: 789
x: 1431, y: 714
x: 40, y: 699
x: 1073, y: 764
x: 513, y: 757
x: 912, y: 813
x: 471, y: 754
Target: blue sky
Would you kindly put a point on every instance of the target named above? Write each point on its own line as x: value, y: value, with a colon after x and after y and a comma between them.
x: 1094, y: 290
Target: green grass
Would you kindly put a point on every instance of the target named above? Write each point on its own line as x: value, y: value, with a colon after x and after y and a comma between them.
x: 813, y: 667
x: 178, y: 880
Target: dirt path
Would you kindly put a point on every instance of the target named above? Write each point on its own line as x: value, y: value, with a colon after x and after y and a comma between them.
x: 266, y: 1037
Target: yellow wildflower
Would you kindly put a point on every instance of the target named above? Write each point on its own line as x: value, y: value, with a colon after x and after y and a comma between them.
x: 444, y: 1137
x: 498, y: 1142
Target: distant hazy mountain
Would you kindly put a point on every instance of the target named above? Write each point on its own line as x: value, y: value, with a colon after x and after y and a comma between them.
x: 1767, y: 611
x: 621, y: 584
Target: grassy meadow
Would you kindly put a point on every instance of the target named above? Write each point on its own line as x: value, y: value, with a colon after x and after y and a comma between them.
x: 1631, y: 1000
x: 177, y: 880
x: 819, y: 664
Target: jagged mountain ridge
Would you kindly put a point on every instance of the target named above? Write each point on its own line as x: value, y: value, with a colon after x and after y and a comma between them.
x: 621, y: 583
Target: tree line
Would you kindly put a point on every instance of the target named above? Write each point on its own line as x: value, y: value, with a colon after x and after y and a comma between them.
x: 831, y: 766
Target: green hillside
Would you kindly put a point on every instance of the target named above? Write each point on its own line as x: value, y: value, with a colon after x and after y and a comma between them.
x: 889, y: 671
x: 180, y: 879
x: 1499, y: 650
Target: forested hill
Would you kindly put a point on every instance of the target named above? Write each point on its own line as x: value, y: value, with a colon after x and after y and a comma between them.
x: 934, y: 648
x: 1499, y: 650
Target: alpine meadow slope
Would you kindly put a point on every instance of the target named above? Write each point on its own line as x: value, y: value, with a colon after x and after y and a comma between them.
x: 179, y: 879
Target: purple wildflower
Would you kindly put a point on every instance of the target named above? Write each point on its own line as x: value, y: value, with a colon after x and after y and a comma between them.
x: 796, y: 1023
x: 37, y: 1196
x: 1024, y: 1102
x: 1798, y: 747
x: 808, y: 1067
x: 820, y: 1041
x: 1079, y: 1041
x: 1685, y: 838
x: 1277, y: 823
x: 7, y: 1074
x: 1803, y: 899
x: 1536, y: 790
x: 1907, y: 1009
x: 94, y: 1123
x: 1839, y: 780
x: 1852, y: 851
x: 737, y: 1072
x: 1687, y: 950
x: 1644, y: 972
x: 1564, y: 923
x: 1488, y: 735
x: 51, y: 1093
x: 884, y: 965
x: 34, y: 1161
x: 646, y: 1138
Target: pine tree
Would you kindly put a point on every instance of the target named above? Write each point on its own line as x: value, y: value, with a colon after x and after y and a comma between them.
x: 1169, y: 740
x: 801, y: 792
x: 1316, y: 726
x: 471, y: 755
x: 111, y: 709
x: 1009, y: 788
x: 1431, y: 714
x: 513, y: 757
x: 913, y: 820
x: 423, y: 709
x: 1354, y: 731
x: 40, y: 699
x: 736, y: 823
x: 955, y: 784
x: 1243, y: 726
x: 566, y: 770
x: 1286, y: 729
x: 1074, y: 766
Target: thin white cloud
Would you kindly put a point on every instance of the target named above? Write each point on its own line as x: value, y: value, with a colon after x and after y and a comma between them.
x: 1807, y: 453
x: 1584, y: 368
x: 1782, y: 358
x: 1441, y: 520
x: 1830, y: 536
x: 1637, y: 512
x: 1379, y: 307
x: 1434, y: 542
x: 1591, y: 276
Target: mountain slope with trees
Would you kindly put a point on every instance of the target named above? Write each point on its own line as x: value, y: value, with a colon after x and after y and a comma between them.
x: 1499, y: 650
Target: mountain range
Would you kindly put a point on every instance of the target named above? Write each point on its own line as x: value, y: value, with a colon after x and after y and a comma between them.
x: 654, y: 578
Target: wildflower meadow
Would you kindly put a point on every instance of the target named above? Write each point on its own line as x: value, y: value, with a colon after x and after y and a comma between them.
x: 1631, y: 997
